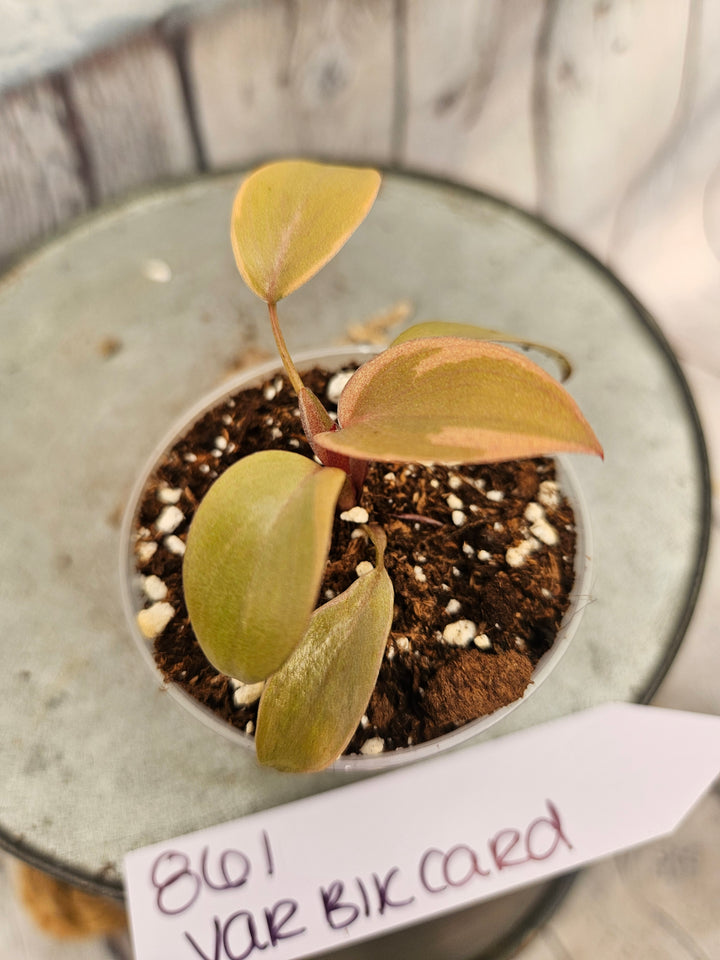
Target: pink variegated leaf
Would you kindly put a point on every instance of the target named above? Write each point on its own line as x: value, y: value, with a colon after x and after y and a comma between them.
x: 450, y: 400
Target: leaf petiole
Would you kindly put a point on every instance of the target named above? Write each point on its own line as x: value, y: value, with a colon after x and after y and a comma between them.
x: 290, y: 367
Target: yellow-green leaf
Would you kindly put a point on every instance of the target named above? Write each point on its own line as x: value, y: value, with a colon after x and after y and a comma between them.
x: 255, y: 557
x: 290, y: 217
x: 451, y: 400
x: 311, y: 707
x: 444, y: 328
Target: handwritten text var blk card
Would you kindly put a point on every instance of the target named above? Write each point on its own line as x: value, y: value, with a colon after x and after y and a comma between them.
x: 373, y: 856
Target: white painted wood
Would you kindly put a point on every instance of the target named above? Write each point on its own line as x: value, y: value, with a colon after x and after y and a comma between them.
x: 131, y: 114
x: 666, y: 238
x: 608, y: 89
x: 311, y: 77
x: 469, y: 93
x: 40, y: 183
x: 38, y: 36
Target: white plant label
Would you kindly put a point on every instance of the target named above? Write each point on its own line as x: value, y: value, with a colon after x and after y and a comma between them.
x: 373, y: 856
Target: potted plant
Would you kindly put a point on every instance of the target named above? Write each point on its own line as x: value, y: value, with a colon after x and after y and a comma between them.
x: 257, y: 549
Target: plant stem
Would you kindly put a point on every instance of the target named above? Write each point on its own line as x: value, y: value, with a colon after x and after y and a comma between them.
x: 290, y: 368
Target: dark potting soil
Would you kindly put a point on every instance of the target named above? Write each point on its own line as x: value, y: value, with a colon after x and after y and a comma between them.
x: 449, y: 531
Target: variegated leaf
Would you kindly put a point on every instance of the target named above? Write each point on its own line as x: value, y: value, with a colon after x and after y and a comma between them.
x: 450, y: 400
x: 444, y: 328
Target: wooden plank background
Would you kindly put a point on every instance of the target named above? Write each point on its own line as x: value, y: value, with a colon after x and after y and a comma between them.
x: 603, y: 116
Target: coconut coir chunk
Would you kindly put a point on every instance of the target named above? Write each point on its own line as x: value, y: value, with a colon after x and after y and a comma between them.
x: 449, y: 532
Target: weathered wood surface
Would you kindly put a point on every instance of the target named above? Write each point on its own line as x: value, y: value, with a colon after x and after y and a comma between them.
x: 609, y: 82
x: 573, y: 110
x: 468, y: 111
x: 41, y: 185
x: 277, y: 78
x: 666, y: 236
x: 129, y: 109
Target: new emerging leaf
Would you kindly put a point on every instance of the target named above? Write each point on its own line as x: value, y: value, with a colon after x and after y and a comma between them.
x: 255, y: 557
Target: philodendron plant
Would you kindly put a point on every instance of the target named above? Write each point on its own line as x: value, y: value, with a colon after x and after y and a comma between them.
x: 257, y: 547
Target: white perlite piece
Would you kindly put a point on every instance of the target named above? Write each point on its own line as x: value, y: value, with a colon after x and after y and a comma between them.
x: 458, y: 518
x: 154, y: 588
x: 363, y: 567
x: 246, y: 693
x: 516, y: 556
x: 534, y: 512
x: 482, y: 641
x: 355, y: 515
x: 145, y: 551
x: 452, y: 607
x: 153, y: 620
x: 495, y: 495
x: 389, y: 477
x: 169, y: 520
x: 372, y: 747
x: 402, y: 643
x: 169, y: 495
x: 549, y: 494
x: 249, y: 727
x: 544, y: 532
x: 454, y: 502
x: 483, y: 555
x: 336, y: 384
x: 454, y: 481
x: 419, y: 574
x: 461, y: 633
x: 174, y: 545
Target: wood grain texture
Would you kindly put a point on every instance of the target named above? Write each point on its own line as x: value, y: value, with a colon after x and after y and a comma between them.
x: 41, y: 186
x: 470, y: 69
x: 666, y: 236
x: 131, y: 116
x: 294, y: 76
x: 608, y: 86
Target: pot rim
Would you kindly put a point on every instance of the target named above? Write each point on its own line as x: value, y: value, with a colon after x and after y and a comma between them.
x: 353, y: 763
